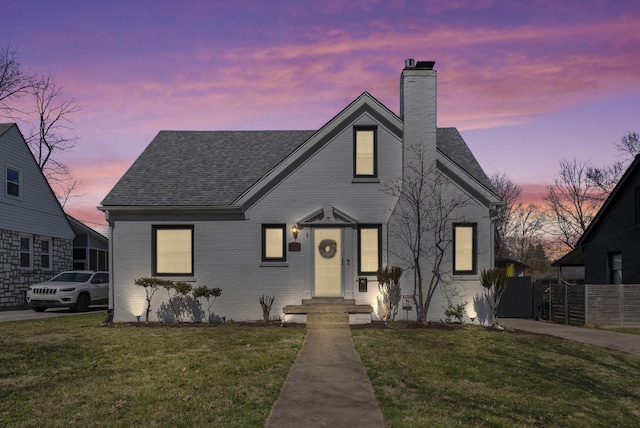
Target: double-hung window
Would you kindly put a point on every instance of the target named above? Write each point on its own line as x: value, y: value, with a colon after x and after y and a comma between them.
x: 26, y: 253
x: 14, y: 186
x: 369, y: 249
x: 464, y: 248
x: 365, y: 152
x: 273, y: 243
x: 173, y: 250
x: 46, y: 246
x: 615, y: 268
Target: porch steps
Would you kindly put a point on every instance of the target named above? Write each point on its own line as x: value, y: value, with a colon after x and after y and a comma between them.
x: 328, y: 312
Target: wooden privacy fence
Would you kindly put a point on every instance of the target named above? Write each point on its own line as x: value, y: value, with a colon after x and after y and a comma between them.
x: 606, y: 305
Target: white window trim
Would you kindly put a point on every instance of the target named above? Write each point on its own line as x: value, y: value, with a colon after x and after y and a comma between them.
x: 50, y: 253
x: 20, y: 252
x: 20, y: 182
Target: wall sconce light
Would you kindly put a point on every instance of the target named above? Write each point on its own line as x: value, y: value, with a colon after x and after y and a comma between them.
x: 138, y: 316
x: 294, y: 231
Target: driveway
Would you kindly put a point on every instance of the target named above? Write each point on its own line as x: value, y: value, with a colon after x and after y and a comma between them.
x: 624, y: 342
x: 23, y: 314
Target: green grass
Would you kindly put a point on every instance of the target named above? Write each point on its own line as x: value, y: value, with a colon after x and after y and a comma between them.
x: 471, y: 377
x: 71, y: 372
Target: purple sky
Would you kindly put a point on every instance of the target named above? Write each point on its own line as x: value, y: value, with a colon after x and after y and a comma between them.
x: 526, y: 82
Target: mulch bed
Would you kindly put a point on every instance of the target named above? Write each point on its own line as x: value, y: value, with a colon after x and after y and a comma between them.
x: 396, y: 325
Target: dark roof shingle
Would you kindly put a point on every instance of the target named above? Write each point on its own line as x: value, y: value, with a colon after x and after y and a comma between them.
x: 202, y: 168
x: 213, y: 168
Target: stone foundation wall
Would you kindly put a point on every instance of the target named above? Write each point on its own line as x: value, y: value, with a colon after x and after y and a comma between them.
x: 14, y: 280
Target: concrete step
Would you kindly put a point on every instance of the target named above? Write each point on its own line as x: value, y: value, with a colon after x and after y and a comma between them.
x: 316, y: 309
x: 328, y: 320
x: 328, y: 301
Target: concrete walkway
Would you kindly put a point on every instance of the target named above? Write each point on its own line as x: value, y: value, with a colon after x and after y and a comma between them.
x: 327, y: 386
x: 624, y: 342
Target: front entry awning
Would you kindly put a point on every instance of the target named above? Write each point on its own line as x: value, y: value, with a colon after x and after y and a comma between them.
x: 327, y: 216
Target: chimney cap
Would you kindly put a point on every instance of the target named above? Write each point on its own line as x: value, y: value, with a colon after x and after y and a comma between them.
x: 419, y: 65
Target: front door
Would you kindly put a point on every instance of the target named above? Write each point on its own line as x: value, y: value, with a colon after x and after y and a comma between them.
x: 327, y: 261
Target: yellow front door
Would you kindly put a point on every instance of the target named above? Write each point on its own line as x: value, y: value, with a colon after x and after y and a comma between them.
x: 328, y: 261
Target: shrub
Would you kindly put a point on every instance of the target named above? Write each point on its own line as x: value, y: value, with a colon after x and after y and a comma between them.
x: 150, y: 285
x: 494, y: 282
x: 266, y: 302
x: 210, y: 294
x: 389, y: 287
x: 456, y: 312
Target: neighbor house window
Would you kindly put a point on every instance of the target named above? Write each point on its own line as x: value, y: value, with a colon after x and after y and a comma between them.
x: 615, y: 268
x: 273, y: 243
x: 369, y: 249
x: 464, y: 249
x: 26, y: 255
x: 365, y: 152
x: 637, y: 203
x: 46, y: 246
x: 173, y: 250
x: 13, y: 181
x: 98, y: 259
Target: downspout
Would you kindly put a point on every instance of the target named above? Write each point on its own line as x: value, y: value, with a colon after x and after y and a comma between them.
x: 110, y: 312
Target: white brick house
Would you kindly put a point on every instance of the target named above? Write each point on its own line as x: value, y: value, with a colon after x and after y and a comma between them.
x: 220, y: 208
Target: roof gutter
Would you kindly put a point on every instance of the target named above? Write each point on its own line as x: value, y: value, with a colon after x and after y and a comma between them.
x: 166, y: 209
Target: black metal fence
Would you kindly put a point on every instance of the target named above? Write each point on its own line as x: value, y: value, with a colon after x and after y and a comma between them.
x: 521, y: 299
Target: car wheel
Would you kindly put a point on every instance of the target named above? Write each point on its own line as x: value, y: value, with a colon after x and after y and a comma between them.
x: 82, y: 304
x: 39, y: 309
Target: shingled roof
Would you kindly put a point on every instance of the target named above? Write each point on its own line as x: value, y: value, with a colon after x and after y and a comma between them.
x: 200, y: 168
x: 213, y: 168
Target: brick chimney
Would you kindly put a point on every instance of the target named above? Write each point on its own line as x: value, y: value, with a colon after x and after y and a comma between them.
x: 418, y: 108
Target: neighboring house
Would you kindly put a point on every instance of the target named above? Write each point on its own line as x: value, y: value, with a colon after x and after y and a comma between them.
x: 610, y: 243
x: 513, y: 267
x: 90, y: 248
x: 570, y: 269
x: 36, y: 239
x: 293, y: 214
x: 608, y: 252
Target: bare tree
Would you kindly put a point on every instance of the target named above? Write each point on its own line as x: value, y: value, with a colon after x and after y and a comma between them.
x: 47, y: 119
x: 629, y: 145
x: 527, y: 230
x: 53, y: 135
x: 572, y: 202
x: 14, y: 82
x: 608, y: 176
x: 510, y: 194
x: 422, y: 222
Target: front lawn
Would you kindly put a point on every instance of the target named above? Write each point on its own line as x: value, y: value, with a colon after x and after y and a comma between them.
x: 71, y: 372
x: 471, y: 377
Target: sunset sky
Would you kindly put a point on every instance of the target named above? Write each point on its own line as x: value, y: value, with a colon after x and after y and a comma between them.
x: 526, y: 82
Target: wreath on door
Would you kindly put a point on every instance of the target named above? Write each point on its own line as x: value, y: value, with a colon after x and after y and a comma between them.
x: 328, y: 248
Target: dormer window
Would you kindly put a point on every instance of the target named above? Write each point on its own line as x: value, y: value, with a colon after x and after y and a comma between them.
x: 365, y: 152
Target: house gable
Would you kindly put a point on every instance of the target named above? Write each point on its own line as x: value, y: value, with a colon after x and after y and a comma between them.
x: 363, y: 106
x: 615, y: 230
x: 36, y: 210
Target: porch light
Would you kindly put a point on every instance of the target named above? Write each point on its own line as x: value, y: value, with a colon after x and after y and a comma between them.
x: 294, y: 231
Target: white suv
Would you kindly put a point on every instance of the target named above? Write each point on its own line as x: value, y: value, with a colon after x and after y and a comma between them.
x: 73, y: 289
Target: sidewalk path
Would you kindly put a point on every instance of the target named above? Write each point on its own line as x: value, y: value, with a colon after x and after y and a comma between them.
x: 327, y: 386
x: 624, y: 342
